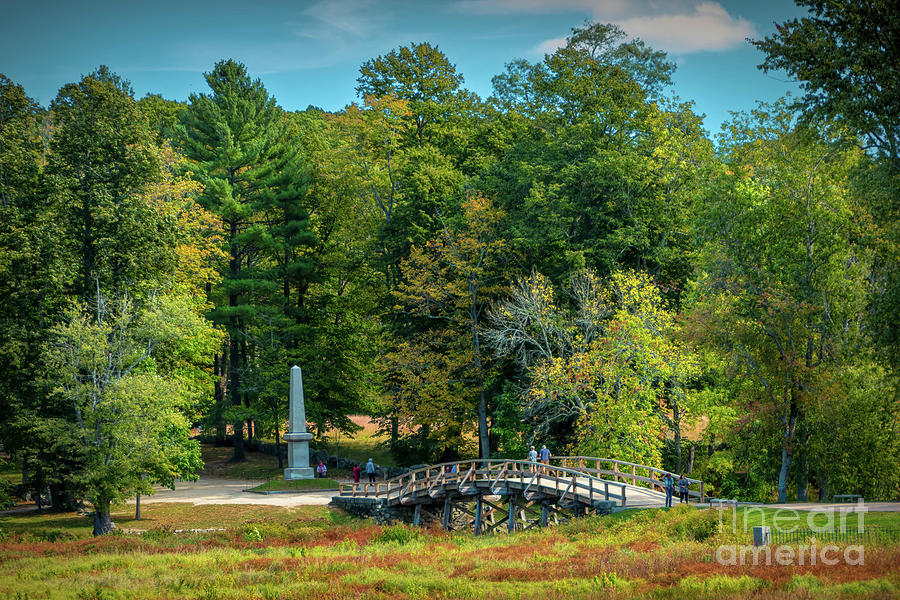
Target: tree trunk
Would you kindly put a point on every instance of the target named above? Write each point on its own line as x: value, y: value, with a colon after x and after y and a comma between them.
x: 787, y: 448
x: 61, y: 499
x: 220, y: 394
x: 802, y: 480
x: 484, y: 440
x: 677, y: 447
x: 234, y: 384
x: 137, y: 507
x: 483, y: 433
x: 278, y: 447
x: 395, y: 431
x: 103, y: 524
x: 690, y: 465
x: 802, y: 459
x: 823, y: 487
x: 234, y: 350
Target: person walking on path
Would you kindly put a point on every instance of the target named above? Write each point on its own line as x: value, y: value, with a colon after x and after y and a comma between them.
x: 682, y: 489
x: 356, y: 471
x: 545, y: 456
x: 669, y: 486
x: 370, y: 471
x: 321, y: 470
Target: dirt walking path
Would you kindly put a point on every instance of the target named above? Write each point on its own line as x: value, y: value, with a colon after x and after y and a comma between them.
x: 230, y: 491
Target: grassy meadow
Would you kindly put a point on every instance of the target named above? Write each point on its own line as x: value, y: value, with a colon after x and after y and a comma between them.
x: 319, y: 552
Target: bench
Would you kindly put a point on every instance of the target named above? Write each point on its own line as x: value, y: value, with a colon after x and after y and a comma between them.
x: 846, y: 497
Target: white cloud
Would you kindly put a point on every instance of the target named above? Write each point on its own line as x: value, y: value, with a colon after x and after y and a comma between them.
x: 549, y: 46
x: 344, y: 18
x: 509, y: 7
x: 709, y: 27
x: 676, y: 26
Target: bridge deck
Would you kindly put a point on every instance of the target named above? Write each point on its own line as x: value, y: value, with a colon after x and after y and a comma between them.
x: 577, y: 483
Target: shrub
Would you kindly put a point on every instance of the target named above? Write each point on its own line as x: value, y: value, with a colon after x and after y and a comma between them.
x: 400, y: 534
x: 699, y: 526
x: 257, y: 531
x: 252, y: 534
x: 718, y: 585
x: 7, y: 494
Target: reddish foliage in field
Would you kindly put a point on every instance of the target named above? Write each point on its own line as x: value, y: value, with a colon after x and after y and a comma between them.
x: 879, y: 562
x: 340, y: 534
x: 252, y: 564
x: 642, y: 546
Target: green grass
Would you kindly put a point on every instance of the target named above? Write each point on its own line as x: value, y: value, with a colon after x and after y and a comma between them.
x: 10, y: 471
x: 361, y: 446
x: 167, y: 516
x: 746, y: 518
x: 296, y: 484
x: 217, y: 463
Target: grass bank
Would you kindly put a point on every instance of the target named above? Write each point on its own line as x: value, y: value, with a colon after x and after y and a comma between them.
x: 297, y: 485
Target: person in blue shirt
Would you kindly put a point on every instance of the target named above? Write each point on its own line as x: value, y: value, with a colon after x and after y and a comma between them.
x: 545, y: 455
x: 669, y: 485
x: 682, y: 489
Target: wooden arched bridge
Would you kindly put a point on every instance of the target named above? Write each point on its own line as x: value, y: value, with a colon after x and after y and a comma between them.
x: 486, y: 494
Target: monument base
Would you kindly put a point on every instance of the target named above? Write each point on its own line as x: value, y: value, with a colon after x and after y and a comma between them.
x: 299, y: 473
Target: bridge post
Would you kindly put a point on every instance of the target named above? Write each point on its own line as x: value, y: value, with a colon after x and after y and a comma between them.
x: 545, y: 512
x: 417, y: 514
x: 616, y: 472
x: 511, y: 522
x: 448, y: 508
x: 479, y: 510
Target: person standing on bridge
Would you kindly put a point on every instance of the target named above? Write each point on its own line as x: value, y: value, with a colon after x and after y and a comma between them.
x: 669, y: 486
x: 532, y: 456
x: 682, y: 489
x: 370, y: 471
x: 545, y: 455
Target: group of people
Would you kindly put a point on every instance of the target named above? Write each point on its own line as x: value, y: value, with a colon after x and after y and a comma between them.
x: 543, y: 455
x: 669, y: 484
x: 370, y: 471
x: 322, y: 470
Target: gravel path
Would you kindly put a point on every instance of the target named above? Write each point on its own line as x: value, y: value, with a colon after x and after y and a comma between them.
x: 230, y: 491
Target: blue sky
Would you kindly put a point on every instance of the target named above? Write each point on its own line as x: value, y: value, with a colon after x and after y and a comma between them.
x: 309, y: 52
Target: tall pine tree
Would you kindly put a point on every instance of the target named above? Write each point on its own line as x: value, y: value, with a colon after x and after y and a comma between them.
x: 235, y: 136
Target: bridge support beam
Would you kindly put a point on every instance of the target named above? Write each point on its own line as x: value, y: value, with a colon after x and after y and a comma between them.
x: 417, y: 515
x: 479, y: 514
x: 513, y: 502
x: 545, y: 512
x: 448, y: 509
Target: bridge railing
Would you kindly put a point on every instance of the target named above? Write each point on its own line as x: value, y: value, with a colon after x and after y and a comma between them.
x: 493, y: 475
x: 567, y: 467
x: 636, y: 474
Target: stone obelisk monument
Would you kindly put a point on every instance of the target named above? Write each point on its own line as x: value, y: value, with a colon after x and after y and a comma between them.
x: 297, y: 438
